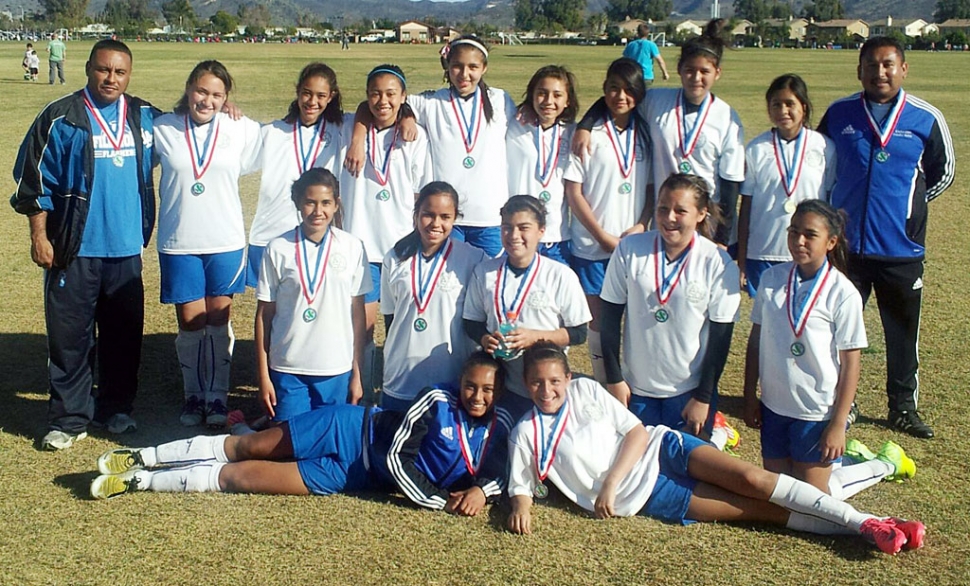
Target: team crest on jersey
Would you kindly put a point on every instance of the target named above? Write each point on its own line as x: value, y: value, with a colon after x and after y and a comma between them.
x: 448, y: 282
x: 538, y: 300
x: 814, y: 158
x: 593, y: 412
x: 147, y: 138
x: 448, y: 432
x: 696, y: 292
x: 337, y: 262
x: 224, y: 142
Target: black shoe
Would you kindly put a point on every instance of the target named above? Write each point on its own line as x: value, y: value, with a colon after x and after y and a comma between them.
x: 911, y: 423
x: 853, y: 415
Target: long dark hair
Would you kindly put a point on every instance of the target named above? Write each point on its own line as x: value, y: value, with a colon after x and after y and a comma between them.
x: 710, y: 44
x: 525, y: 203
x: 795, y: 85
x: 630, y: 73
x: 333, y: 113
x: 835, y: 220
x: 559, y: 72
x: 458, y: 45
x: 542, y: 351
x: 209, y: 67
x: 702, y: 198
x: 410, y: 245
x: 311, y: 177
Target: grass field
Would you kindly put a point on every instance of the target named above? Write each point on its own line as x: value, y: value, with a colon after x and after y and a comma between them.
x: 53, y: 534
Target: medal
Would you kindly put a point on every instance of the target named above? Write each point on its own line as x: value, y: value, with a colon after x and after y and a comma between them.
x: 797, y: 311
x: 383, y: 170
x: 790, y: 173
x: 471, y: 124
x: 790, y: 205
x: 545, y: 196
x: 625, y: 154
x: 311, y: 283
x: 545, y: 451
x: 546, y: 163
x: 116, y: 138
x: 883, y: 133
x: 423, y: 288
x: 688, y: 138
x: 664, y: 283
x: 521, y: 293
x: 307, y: 158
x: 541, y: 491
x: 473, y: 455
x: 201, y: 159
x: 383, y: 195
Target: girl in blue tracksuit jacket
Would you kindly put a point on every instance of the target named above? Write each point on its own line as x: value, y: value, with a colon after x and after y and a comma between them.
x: 448, y: 451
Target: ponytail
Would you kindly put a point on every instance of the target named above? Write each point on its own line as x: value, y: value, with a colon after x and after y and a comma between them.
x: 710, y: 44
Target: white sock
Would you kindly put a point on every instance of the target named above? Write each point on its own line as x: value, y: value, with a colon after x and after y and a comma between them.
x: 804, y: 498
x: 201, y: 448
x: 810, y: 524
x: 220, y: 341
x: 849, y: 481
x: 368, y: 368
x: 596, y: 356
x: 719, y: 437
x: 194, y: 478
x: 190, y: 350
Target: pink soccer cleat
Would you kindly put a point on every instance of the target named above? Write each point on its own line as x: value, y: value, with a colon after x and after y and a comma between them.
x: 884, y: 534
x: 914, y: 531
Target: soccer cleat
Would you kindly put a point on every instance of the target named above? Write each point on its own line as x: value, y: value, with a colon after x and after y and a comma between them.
x: 56, y: 440
x: 910, y: 422
x: 914, y: 531
x: 216, y: 414
x: 853, y: 415
x: 120, y: 461
x: 733, y: 438
x: 121, y: 423
x: 884, y: 535
x: 193, y: 412
x: 858, y: 451
x: 903, y: 465
x: 108, y: 486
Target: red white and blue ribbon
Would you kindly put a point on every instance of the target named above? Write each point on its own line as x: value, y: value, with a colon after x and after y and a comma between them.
x: 306, y: 158
x: 311, y: 284
x: 546, y: 163
x: 502, y: 310
x: 545, y: 445
x: 625, y: 154
x: 688, y: 137
x: 382, y: 170
x: 665, y: 283
x: 790, y: 173
x: 473, y: 456
x: 201, y: 159
x: 884, y: 132
x: 116, y: 137
x: 422, y: 289
x: 471, y: 124
x: 799, y: 311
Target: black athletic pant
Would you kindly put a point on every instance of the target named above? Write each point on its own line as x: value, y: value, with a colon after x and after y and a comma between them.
x: 899, y: 294
x: 95, y: 312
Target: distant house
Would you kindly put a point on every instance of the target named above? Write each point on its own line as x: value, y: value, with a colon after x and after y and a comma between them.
x: 857, y: 30
x: 742, y: 28
x: 954, y: 25
x: 414, y: 31
x: 689, y: 27
x: 796, y: 27
x: 96, y: 28
x: 629, y: 26
x: 446, y: 34
x: 909, y: 27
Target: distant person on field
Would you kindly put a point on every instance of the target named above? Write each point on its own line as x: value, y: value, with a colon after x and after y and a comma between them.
x: 645, y: 52
x: 33, y: 65
x: 56, y: 52
x: 84, y: 179
x: 894, y: 154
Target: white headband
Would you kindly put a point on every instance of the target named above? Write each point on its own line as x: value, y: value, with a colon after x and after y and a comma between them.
x: 475, y: 44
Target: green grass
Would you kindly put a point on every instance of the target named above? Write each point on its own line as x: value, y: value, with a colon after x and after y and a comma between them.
x: 52, y: 534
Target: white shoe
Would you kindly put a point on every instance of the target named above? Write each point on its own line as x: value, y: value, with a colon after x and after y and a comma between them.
x: 109, y: 486
x: 120, y: 460
x: 60, y: 440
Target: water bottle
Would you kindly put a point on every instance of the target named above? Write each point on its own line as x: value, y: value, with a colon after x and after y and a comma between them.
x: 503, y: 352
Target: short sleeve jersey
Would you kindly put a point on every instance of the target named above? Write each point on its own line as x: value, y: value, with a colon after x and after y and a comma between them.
x: 803, y: 387
x: 706, y: 290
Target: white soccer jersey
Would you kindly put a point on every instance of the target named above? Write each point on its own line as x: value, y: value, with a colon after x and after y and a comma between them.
x: 616, y: 201
x: 537, y: 161
x: 812, y: 175
x: 316, y: 336
x: 803, y: 387
x: 378, y: 204
x: 675, y: 339
x: 429, y: 346
x: 288, y: 150
x: 199, y: 209
x: 595, y: 424
x: 719, y: 148
x: 555, y: 300
x: 479, y: 174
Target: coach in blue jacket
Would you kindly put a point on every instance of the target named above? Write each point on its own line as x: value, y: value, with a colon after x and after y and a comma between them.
x: 84, y: 179
x: 894, y: 155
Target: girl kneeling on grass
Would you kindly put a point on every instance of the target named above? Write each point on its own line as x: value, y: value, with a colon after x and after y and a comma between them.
x: 602, y: 458
x: 448, y: 451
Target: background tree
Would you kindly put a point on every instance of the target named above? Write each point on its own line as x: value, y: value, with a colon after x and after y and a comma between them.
x: 545, y: 15
x: 223, y: 23
x: 255, y: 17
x: 642, y: 9
x: 65, y: 13
x: 823, y: 10
x: 753, y: 10
x: 179, y: 13
x: 947, y: 9
x: 128, y: 17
